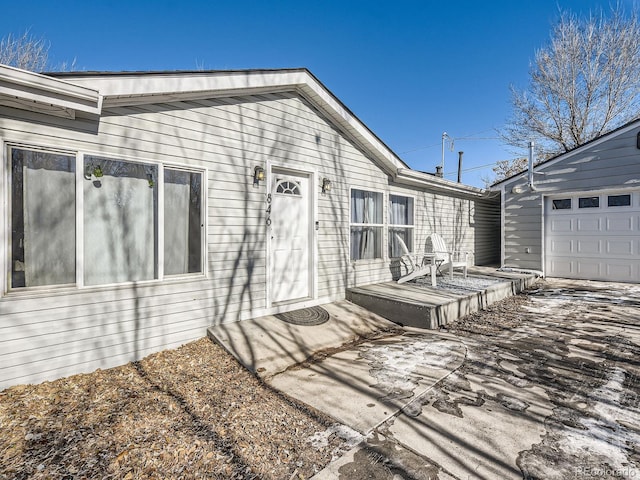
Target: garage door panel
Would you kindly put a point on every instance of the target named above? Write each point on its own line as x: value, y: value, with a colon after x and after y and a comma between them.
x: 589, y: 225
x: 599, y: 243
x: 620, y: 224
x: 620, y: 247
x: 589, y: 268
x: 560, y: 267
x: 589, y: 246
x: 624, y: 272
x: 561, y: 225
x: 562, y: 246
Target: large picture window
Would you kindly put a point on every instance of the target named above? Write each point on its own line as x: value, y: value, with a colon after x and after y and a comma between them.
x: 366, y: 224
x: 119, y: 214
x: 120, y: 221
x: 400, y: 224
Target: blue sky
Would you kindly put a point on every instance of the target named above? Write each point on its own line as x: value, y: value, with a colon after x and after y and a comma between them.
x: 410, y: 70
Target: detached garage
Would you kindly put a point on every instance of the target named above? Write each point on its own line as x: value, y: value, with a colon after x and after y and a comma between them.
x: 578, y: 214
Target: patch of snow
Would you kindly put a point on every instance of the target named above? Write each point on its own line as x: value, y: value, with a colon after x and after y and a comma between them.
x: 460, y: 284
x: 548, y: 304
x: 512, y: 403
x: 350, y: 438
x: 393, y: 365
x: 600, y: 442
x: 623, y: 294
x: 603, y: 436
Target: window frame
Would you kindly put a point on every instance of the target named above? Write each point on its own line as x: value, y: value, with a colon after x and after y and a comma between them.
x: 7, y: 245
x: 390, y: 226
x: 563, y: 199
x: 203, y: 223
x: 619, y: 195
x: 79, y: 155
x: 583, y: 202
x: 381, y: 226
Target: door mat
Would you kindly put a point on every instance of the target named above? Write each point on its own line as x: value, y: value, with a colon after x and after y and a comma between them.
x: 305, y: 316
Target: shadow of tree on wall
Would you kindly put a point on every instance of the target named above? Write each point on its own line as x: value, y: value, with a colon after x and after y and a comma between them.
x: 307, y: 146
x: 450, y: 220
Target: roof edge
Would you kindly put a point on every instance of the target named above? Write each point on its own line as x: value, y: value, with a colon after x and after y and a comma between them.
x: 594, y: 141
x: 34, y: 91
x: 414, y: 177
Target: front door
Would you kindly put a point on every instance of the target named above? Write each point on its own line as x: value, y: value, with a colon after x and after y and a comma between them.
x: 291, y: 253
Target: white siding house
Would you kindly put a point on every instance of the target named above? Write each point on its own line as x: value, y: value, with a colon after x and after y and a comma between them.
x: 138, y: 209
x: 578, y: 215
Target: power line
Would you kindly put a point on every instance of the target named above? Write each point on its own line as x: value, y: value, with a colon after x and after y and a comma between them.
x: 453, y: 139
x: 473, y: 169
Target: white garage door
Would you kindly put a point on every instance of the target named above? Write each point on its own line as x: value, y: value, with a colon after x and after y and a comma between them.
x: 593, y: 236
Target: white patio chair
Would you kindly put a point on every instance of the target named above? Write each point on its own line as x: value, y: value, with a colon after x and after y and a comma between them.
x: 417, y: 264
x: 445, y: 257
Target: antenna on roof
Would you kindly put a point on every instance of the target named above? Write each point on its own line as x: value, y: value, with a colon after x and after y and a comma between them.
x: 444, y: 137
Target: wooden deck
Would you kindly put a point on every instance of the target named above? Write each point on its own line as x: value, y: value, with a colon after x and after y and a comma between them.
x: 424, y: 306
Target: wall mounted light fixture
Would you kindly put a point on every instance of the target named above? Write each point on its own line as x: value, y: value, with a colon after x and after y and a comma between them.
x: 258, y: 175
x: 326, y: 185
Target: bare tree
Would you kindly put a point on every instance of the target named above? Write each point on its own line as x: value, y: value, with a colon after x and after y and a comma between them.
x: 584, y: 83
x: 24, y: 51
x: 505, y: 169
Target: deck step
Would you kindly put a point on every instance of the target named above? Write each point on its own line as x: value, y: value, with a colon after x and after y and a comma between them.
x: 426, y: 307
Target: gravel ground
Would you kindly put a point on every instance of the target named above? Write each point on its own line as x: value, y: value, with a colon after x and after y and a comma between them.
x: 192, y: 412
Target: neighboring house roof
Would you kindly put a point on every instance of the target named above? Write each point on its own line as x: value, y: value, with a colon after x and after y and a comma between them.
x: 105, y: 89
x: 575, y: 151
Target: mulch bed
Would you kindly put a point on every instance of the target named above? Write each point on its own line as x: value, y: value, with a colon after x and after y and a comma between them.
x: 192, y: 412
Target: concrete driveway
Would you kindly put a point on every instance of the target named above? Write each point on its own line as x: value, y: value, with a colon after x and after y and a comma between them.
x: 544, y: 387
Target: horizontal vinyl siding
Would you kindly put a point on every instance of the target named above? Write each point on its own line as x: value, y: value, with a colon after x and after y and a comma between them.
x: 487, y: 231
x: 48, y: 334
x: 45, y: 335
x: 523, y: 229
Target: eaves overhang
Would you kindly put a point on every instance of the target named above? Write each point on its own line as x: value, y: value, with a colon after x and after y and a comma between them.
x: 135, y: 88
x: 435, y: 184
x: 40, y: 93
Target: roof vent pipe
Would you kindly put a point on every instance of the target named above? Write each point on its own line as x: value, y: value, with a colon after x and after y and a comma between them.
x: 439, y: 171
x: 460, y: 166
x: 531, y: 186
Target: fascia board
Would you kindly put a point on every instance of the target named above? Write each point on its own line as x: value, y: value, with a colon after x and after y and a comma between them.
x: 176, y: 84
x: 20, y: 86
x: 411, y: 177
